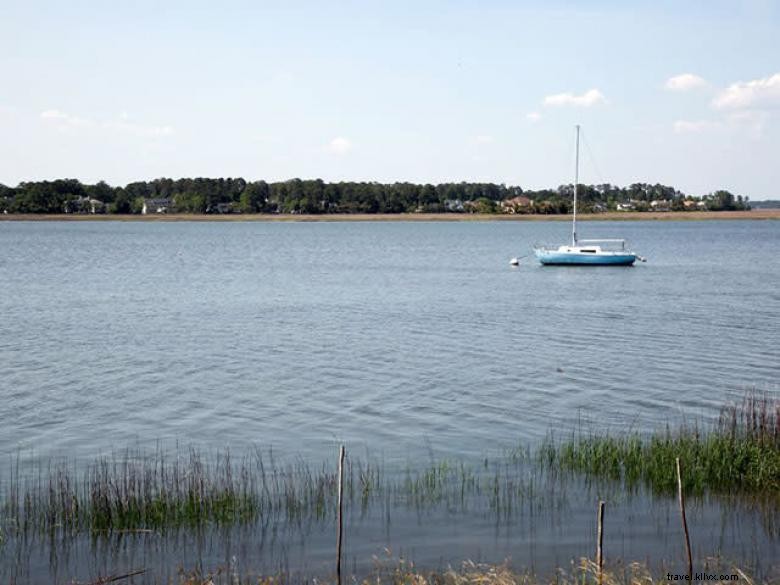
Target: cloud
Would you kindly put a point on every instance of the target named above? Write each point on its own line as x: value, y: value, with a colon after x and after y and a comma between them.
x: 533, y: 116
x: 752, y: 121
x: 590, y: 98
x: 340, y: 145
x: 685, y: 82
x: 746, y: 122
x: 65, y: 121
x: 122, y: 125
x: 483, y: 139
x: 758, y: 93
x: 688, y: 126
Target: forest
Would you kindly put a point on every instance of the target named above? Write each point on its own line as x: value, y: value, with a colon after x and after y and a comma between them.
x: 236, y: 195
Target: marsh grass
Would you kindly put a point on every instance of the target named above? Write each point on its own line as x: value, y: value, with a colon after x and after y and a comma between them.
x: 154, y: 491
x: 391, y: 571
x: 738, y: 454
x: 136, y: 490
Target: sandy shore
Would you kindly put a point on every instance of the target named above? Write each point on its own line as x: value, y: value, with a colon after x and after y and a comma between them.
x: 609, y: 216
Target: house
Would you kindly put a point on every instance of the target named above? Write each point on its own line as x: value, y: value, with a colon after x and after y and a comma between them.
x: 220, y: 208
x: 472, y: 206
x: 626, y: 206
x: 598, y: 208
x: 156, y: 206
x: 516, y: 204
x: 84, y: 205
x: 694, y: 205
x: 455, y: 205
x: 661, y: 205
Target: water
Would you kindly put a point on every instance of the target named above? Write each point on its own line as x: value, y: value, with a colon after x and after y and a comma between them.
x: 406, y: 341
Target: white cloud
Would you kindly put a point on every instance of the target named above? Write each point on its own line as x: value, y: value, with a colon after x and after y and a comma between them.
x: 685, y: 82
x: 745, y: 122
x: 758, y: 93
x: 590, y: 98
x: 747, y: 117
x: 483, y: 139
x: 688, y: 126
x: 122, y: 125
x: 340, y: 145
x: 533, y: 116
x: 750, y: 120
x: 64, y: 120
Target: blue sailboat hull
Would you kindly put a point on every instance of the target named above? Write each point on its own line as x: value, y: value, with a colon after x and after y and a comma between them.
x: 554, y: 258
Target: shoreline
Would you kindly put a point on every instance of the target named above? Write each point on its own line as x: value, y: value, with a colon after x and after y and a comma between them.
x: 761, y: 214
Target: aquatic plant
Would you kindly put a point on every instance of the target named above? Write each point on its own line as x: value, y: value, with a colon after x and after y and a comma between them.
x: 739, y: 453
x: 140, y: 491
x: 399, y: 571
x: 136, y: 490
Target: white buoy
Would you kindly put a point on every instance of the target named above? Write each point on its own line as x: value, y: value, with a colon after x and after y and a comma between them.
x: 514, y: 261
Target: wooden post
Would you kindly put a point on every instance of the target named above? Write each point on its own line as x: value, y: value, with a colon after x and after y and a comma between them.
x: 340, y: 515
x: 684, y: 521
x: 600, y: 542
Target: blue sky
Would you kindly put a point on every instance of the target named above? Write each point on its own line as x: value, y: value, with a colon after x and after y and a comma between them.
x: 682, y: 93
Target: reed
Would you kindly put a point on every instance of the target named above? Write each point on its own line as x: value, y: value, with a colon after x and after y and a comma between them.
x: 138, y: 491
x: 142, y: 491
x: 740, y: 453
x: 158, y: 490
x: 389, y: 571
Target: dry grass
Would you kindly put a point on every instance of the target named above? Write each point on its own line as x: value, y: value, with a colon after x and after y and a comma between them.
x: 389, y: 571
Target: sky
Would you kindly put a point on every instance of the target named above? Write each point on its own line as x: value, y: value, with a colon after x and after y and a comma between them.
x: 684, y: 93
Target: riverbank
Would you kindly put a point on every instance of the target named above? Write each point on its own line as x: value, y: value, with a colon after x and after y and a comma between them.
x: 586, y: 571
x: 764, y: 214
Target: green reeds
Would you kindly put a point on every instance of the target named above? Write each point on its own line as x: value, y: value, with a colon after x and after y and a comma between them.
x: 738, y: 454
x: 137, y: 490
x: 141, y: 491
x: 150, y: 491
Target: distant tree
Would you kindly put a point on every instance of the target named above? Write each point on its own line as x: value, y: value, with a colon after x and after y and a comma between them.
x: 254, y: 197
x: 722, y: 201
x: 46, y: 196
x: 122, y: 203
x: 204, y: 195
x: 101, y: 191
x: 7, y: 195
x: 428, y: 200
x: 485, y: 205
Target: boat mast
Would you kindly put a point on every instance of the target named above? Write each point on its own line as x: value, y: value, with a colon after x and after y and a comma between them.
x: 576, y: 180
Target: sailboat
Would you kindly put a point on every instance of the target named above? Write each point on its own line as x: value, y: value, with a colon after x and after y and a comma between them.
x: 585, y: 252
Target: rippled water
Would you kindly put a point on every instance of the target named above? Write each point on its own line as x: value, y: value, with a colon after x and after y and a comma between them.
x: 400, y: 337
x: 404, y: 340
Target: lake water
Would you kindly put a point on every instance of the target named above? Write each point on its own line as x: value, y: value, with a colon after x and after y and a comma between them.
x: 406, y: 341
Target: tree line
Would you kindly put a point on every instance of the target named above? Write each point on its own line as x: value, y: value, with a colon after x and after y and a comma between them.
x: 236, y: 195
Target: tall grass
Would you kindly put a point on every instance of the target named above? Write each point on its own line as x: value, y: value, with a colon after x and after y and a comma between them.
x: 149, y: 491
x: 138, y: 490
x: 738, y: 454
x: 157, y: 490
x: 391, y: 571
